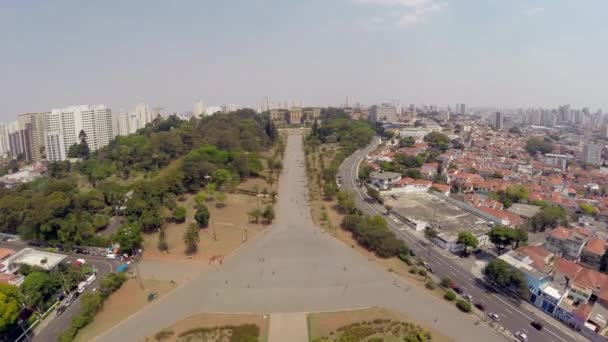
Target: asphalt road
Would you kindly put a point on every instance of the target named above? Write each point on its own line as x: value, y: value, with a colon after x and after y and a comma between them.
x: 513, y: 316
x: 54, y: 325
x: 296, y: 267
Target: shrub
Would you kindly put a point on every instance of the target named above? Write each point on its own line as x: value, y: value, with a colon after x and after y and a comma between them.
x: 404, y: 257
x: 179, y: 215
x: 422, y: 272
x: 163, y: 335
x: 463, y: 305
x: 414, y: 270
x: 449, y: 296
x: 430, y: 285
x: 446, y: 282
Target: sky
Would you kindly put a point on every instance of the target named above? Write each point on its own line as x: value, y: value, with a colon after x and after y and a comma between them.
x: 172, y: 53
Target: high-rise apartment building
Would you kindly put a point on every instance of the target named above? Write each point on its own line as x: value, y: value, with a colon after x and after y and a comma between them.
x: 499, y: 121
x: 199, y: 108
x: 592, y: 154
x: 384, y: 112
x: 63, y: 127
x: 33, y: 124
x: 4, y: 146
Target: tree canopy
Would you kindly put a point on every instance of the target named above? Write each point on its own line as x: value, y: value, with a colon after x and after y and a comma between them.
x: 9, y: 306
x: 437, y: 140
x: 534, y: 145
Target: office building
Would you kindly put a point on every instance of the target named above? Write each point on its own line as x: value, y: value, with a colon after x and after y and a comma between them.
x: 63, y: 127
x: 499, y: 121
x: 592, y: 154
x: 558, y: 160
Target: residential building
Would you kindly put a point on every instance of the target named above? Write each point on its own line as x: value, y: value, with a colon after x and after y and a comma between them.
x: 33, y: 124
x: 384, y: 112
x: 557, y: 160
x: 592, y: 253
x: 499, y: 121
x: 567, y: 243
x: 384, y: 180
x: 4, y: 143
x: 592, y: 154
x: 199, y: 108
x: 63, y: 127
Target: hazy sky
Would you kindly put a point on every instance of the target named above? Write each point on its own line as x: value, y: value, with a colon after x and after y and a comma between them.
x: 480, y: 52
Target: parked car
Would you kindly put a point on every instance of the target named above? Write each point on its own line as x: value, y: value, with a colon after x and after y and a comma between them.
x: 82, y: 286
x: 34, y: 243
x: 480, y: 306
x: 521, y: 336
x: 457, y: 289
x: 494, y: 316
x: 468, y: 297
x: 60, y: 296
x: 60, y: 309
x: 537, y: 325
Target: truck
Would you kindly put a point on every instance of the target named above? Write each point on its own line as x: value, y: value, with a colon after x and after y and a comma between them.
x: 82, y: 286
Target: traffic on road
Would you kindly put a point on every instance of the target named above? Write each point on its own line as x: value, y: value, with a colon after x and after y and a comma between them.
x: 504, y: 309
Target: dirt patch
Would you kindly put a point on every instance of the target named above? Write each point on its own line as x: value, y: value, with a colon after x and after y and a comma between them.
x: 209, y: 321
x: 230, y: 222
x: 127, y: 300
x: 365, y: 324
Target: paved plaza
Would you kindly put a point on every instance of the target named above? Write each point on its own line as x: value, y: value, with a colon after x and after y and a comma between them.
x: 296, y: 267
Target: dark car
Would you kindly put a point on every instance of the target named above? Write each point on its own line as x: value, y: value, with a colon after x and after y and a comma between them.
x: 537, y: 325
x: 480, y: 306
x: 60, y: 309
x: 457, y: 290
x: 34, y: 243
x: 60, y: 296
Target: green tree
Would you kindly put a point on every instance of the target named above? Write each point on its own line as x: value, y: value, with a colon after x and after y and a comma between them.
x: 221, y: 197
x: 329, y: 190
x: 255, y: 214
x: 534, y: 145
x: 202, y: 215
x: 468, y: 240
x: 501, y: 237
x: 37, y: 287
x: 587, y: 209
x: 346, y: 201
x: 502, y: 273
x: 129, y: 237
x: 407, y: 142
x: 437, y: 140
x: 179, y: 215
x: 222, y: 177
x: 268, y: 214
x: 550, y: 216
x: 191, y: 238
x: 9, y: 306
x: 163, y: 246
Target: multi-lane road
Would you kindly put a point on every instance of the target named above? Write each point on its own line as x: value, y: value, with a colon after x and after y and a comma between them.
x: 54, y: 324
x: 513, y: 316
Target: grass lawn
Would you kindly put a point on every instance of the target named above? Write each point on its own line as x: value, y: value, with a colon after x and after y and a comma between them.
x: 367, y: 325
x: 216, y: 328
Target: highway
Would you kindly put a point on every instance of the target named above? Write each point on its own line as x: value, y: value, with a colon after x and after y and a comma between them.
x: 513, y: 316
x: 54, y: 325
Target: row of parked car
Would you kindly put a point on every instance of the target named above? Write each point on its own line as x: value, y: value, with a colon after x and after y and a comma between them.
x: 72, y: 297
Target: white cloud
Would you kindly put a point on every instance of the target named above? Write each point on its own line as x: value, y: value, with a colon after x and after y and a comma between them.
x: 408, y: 12
x: 533, y: 11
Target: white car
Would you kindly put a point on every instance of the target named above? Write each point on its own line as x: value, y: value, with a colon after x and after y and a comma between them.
x: 494, y: 316
x: 468, y: 297
x: 521, y: 336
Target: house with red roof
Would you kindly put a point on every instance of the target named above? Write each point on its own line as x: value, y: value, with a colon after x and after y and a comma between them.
x: 567, y: 242
x: 592, y: 253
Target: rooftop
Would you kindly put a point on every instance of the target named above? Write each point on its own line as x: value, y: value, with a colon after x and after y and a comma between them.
x: 4, y: 252
x: 524, y: 210
x: 32, y: 257
x: 427, y: 208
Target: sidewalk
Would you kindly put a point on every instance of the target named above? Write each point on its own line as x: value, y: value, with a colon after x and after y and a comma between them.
x: 291, y: 327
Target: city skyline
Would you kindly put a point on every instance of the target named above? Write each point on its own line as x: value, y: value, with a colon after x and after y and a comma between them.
x: 488, y: 53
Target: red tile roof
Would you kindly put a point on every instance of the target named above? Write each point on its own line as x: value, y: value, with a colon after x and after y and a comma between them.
x: 592, y: 279
x: 568, y: 268
x: 561, y: 233
x: 4, y: 252
x: 595, y: 246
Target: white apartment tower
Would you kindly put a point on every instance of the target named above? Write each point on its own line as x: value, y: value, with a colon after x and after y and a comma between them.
x: 199, y: 108
x: 4, y: 144
x: 64, y: 125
